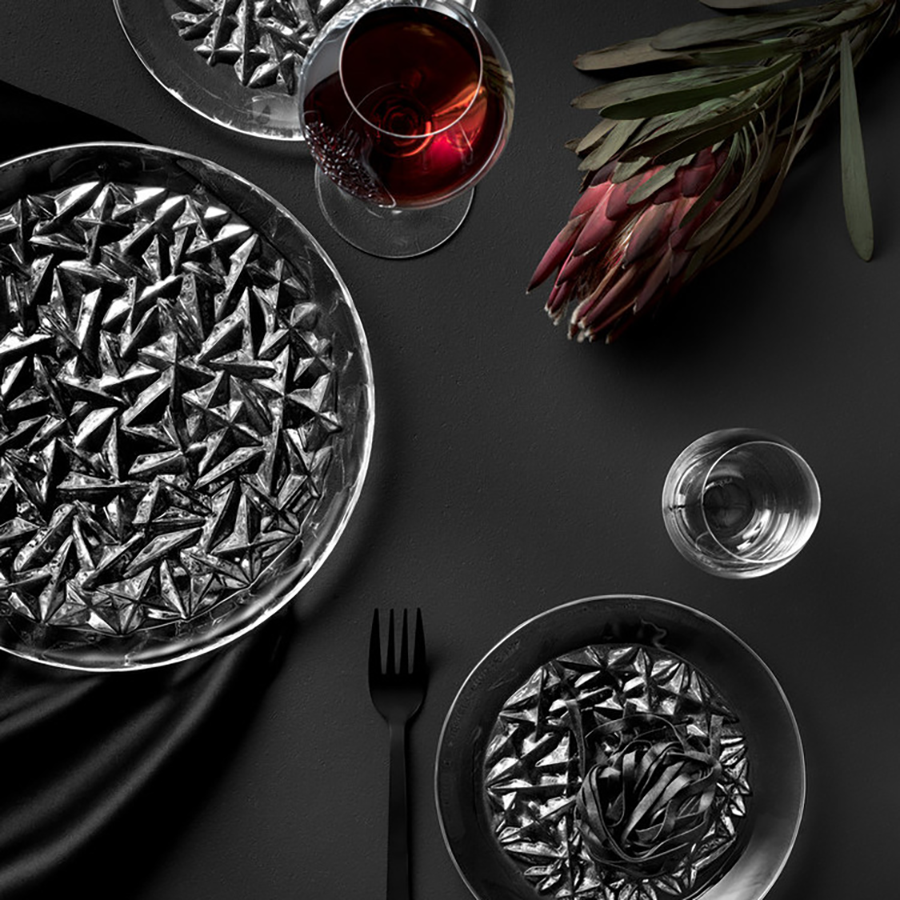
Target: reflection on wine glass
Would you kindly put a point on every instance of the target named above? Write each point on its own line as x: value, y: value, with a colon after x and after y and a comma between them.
x: 405, y: 105
x: 740, y: 503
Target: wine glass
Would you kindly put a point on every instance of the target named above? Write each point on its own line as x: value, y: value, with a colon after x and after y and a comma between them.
x: 404, y: 104
x: 740, y: 503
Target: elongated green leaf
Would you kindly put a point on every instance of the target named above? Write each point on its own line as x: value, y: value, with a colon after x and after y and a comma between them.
x: 655, y: 182
x: 854, y: 12
x: 594, y: 136
x: 684, y: 97
x: 610, y: 146
x: 733, y: 28
x: 712, y: 188
x: 713, y: 134
x: 628, y: 53
x: 659, y: 128
x: 627, y: 89
x: 737, y: 205
x: 823, y: 71
x: 742, y: 52
x: 764, y: 208
x: 708, y: 124
x: 826, y: 97
x: 740, y: 4
x: 857, y: 204
x: 625, y: 170
x: 764, y: 141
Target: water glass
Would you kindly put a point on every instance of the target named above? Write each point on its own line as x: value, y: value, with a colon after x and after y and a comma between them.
x: 740, y: 503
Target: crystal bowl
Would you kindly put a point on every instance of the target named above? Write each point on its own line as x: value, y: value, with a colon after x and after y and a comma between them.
x: 186, y: 406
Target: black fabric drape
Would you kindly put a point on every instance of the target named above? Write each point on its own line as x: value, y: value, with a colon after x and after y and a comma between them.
x: 99, y: 771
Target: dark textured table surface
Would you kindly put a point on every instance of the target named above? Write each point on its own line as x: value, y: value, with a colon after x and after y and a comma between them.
x: 514, y: 470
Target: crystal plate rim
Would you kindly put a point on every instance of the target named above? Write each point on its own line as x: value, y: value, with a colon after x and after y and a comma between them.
x: 507, y: 664
x: 176, y: 67
x: 278, y: 217
x: 215, y: 96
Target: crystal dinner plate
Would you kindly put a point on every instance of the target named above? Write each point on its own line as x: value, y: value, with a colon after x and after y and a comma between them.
x: 235, y: 62
x: 591, y: 716
x: 186, y: 406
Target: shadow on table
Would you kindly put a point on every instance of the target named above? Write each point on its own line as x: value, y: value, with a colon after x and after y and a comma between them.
x: 102, y: 771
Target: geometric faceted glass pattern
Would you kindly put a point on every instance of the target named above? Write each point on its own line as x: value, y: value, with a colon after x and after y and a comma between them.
x: 235, y: 62
x: 620, y: 747
x: 264, y: 41
x: 670, y: 755
x: 185, y: 406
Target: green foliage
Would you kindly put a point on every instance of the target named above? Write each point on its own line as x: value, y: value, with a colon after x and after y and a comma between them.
x: 766, y: 75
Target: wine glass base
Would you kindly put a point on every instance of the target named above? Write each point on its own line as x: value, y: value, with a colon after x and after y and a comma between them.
x: 390, y: 233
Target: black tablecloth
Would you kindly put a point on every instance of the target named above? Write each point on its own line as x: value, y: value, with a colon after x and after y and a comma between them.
x: 512, y: 470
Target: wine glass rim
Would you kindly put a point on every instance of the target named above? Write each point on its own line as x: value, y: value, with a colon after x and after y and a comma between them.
x: 454, y: 11
x: 804, y: 468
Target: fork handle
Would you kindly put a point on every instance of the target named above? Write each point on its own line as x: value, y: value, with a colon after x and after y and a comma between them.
x: 398, y: 816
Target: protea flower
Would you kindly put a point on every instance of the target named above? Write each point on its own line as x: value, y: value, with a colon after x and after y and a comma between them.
x: 685, y: 164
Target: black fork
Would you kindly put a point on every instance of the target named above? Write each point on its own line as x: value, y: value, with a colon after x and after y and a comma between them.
x: 397, y: 691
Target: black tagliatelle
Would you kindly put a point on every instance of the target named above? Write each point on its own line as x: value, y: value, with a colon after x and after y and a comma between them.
x: 646, y: 803
x: 618, y: 772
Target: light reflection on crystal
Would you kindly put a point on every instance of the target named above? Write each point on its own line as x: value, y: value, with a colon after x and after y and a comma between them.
x: 533, y: 771
x: 167, y: 405
x: 264, y: 41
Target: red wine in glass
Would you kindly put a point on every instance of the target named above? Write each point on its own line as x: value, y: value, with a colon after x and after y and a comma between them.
x: 407, y: 105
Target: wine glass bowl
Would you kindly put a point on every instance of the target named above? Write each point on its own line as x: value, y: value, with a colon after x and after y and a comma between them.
x: 740, y: 503
x: 405, y: 105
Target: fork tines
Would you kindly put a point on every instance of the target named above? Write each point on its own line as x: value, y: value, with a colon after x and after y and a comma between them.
x: 389, y: 665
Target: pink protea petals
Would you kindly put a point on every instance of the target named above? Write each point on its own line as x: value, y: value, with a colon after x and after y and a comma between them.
x: 683, y: 231
x: 613, y: 301
x: 650, y: 232
x: 595, y: 292
x: 557, y: 252
x: 697, y: 177
x: 603, y: 326
x: 596, y: 229
x: 675, y: 176
x: 611, y: 326
x: 659, y: 275
x: 671, y: 192
x: 618, y: 206
x: 669, y: 266
x: 558, y: 300
x: 576, y: 262
x: 663, y: 281
x: 590, y: 197
x: 604, y: 173
x: 678, y: 268
x: 564, y: 244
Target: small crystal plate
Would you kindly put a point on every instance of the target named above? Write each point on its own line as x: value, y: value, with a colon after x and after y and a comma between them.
x: 507, y: 771
x: 235, y: 62
x: 186, y: 406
